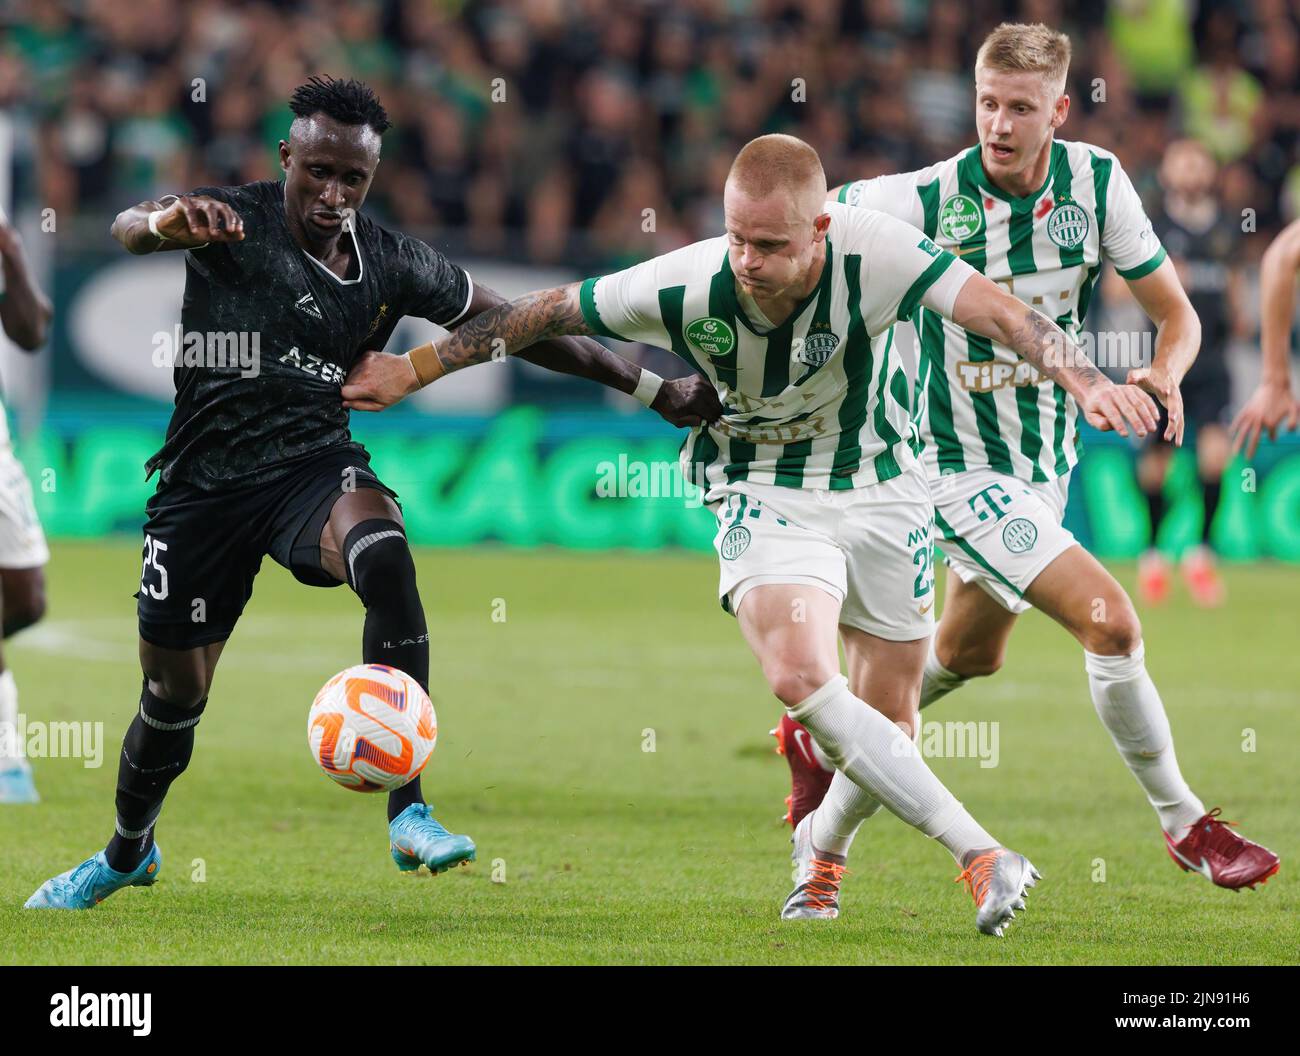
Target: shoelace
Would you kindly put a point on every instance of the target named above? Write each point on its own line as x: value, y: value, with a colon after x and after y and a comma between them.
x: 1217, y: 834
x: 979, y: 875
x: 823, y: 884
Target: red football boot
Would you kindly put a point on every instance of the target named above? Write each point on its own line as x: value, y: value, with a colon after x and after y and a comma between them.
x: 809, y: 779
x: 1212, y: 849
x: 1153, y: 578
x: 1203, y: 578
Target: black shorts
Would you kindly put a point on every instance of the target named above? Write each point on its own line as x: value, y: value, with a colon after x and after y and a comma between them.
x: 1206, y: 397
x: 203, y: 549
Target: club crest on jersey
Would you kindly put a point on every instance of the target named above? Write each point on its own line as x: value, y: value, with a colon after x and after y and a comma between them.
x: 1020, y: 535
x: 1068, y: 225
x: 817, y: 347
x: 735, y: 542
x: 712, y: 336
x: 960, y: 218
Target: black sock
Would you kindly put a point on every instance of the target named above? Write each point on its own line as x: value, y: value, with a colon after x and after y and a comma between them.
x: 1156, y: 508
x: 1212, y: 490
x: 155, y: 751
x: 381, y: 571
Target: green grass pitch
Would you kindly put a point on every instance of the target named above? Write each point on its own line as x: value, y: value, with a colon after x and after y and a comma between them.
x: 594, y: 850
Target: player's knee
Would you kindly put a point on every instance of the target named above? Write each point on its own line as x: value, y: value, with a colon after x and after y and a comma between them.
x: 376, y: 555
x: 1115, y: 629
x: 182, y: 683
x: 794, y: 679
x: 976, y: 659
x: 23, y: 608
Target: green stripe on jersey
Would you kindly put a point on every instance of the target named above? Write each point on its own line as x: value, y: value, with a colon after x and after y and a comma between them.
x: 587, y: 301
x: 929, y: 195
x: 886, y: 465
x: 1144, y: 269
x: 670, y: 311
x: 857, y: 370
x: 927, y: 279
x: 1062, y: 184
x: 939, y: 396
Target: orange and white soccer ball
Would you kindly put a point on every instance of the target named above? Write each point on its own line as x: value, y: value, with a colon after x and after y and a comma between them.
x: 372, y: 728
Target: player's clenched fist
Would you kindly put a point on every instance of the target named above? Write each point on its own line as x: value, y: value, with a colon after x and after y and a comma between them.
x: 1109, y: 406
x: 687, y: 401
x: 378, y: 380
x: 1164, y: 387
x: 196, y: 219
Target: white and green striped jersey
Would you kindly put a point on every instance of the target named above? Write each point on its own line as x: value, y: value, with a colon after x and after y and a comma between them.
x: 820, y: 401
x: 977, y: 402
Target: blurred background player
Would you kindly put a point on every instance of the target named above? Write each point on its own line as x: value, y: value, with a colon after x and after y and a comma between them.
x: 1273, y: 405
x: 1201, y: 240
x: 25, y: 313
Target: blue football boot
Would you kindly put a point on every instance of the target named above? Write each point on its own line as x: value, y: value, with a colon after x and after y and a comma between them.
x: 16, y: 784
x: 93, y: 881
x: 415, y: 837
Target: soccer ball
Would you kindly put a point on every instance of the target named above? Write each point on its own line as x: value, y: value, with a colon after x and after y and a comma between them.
x: 372, y: 728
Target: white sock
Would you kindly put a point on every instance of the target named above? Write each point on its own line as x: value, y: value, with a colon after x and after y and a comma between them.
x: 844, y: 807
x: 835, y: 821
x: 936, y: 680
x: 880, y: 759
x: 8, y: 717
x: 1129, y: 706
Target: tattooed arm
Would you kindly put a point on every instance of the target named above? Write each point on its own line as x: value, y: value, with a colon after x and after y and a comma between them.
x: 503, y: 328
x: 985, y: 308
x: 542, y: 320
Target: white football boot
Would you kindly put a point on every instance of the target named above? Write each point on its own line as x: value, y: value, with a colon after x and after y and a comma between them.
x: 998, y: 881
x: 817, y: 875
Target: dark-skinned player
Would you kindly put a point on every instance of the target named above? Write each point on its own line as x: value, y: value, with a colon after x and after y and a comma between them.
x: 259, y: 460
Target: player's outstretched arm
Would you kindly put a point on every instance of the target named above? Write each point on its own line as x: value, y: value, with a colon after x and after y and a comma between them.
x: 25, y: 311
x: 1178, y: 341
x: 985, y: 308
x: 1273, y: 404
x: 186, y: 223
x: 685, y: 401
x: 378, y: 381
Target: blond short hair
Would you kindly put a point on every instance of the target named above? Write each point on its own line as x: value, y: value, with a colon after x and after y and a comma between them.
x: 1020, y: 47
x: 775, y: 163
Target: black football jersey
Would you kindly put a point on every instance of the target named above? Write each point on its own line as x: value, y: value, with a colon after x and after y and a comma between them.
x: 248, y: 413
x: 1204, y: 259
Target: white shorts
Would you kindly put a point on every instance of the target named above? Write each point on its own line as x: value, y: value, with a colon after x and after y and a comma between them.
x: 1000, y: 531
x: 22, y: 543
x: 872, y: 548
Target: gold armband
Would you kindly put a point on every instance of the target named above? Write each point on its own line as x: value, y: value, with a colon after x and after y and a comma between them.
x: 428, y: 367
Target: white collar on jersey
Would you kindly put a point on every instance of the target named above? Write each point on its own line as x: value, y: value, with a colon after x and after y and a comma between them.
x: 349, y: 225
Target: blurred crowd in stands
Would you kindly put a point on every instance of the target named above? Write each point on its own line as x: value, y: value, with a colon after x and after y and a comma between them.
x: 540, y: 130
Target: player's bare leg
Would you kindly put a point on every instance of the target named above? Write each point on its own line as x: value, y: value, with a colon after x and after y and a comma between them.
x: 791, y: 629
x: 1077, y: 592
x: 969, y: 642
x: 1154, y: 578
x: 22, y: 603
x: 363, y: 543
x: 1199, y: 571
